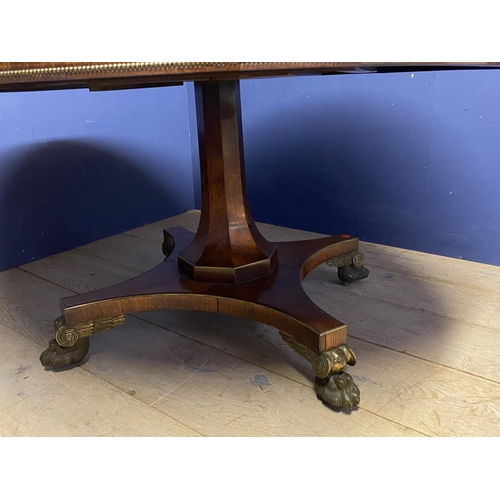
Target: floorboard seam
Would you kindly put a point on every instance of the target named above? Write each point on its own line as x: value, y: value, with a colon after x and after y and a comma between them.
x: 405, y: 353
x: 425, y: 311
x: 82, y: 367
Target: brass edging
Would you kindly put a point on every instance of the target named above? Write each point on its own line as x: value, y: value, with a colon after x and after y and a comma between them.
x: 104, y: 68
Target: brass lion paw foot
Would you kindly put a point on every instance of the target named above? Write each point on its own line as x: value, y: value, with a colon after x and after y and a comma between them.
x: 347, y: 274
x: 57, y: 357
x: 338, y: 390
x: 333, y: 386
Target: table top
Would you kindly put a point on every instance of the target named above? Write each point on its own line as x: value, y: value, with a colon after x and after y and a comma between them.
x: 18, y: 76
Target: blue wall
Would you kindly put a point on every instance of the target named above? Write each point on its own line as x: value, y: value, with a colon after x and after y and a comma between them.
x: 407, y: 160
x: 76, y: 166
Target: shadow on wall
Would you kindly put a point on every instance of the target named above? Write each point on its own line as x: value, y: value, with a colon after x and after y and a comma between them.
x: 62, y: 194
x: 395, y: 173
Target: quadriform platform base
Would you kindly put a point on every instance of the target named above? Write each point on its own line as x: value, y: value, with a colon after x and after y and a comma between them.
x: 276, y: 299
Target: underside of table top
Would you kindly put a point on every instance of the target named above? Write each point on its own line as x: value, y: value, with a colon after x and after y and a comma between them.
x: 18, y: 76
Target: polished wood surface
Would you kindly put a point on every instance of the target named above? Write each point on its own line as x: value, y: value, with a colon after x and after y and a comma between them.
x: 227, y: 248
x: 277, y: 300
x: 18, y: 76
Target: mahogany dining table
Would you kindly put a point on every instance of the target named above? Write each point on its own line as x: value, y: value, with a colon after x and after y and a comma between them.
x: 227, y: 266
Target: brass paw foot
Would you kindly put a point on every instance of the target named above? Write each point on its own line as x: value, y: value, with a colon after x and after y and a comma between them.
x: 350, y: 267
x: 72, y: 343
x: 333, y: 386
x: 56, y: 356
x: 338, y: 390
x: 347, y: 274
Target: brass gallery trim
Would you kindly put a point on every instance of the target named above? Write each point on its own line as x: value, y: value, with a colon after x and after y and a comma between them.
x: 146, y: 66
x: 105, y: 68
x: 142, y: 66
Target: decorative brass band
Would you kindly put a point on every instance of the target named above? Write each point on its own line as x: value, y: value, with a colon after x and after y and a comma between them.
x: 174, y: 67
x: 327, y: 362
x: 106, y: 68
x: 190, y: 67
x: 154, y: 66
x: 333, y: 361
x: 67, y: 336
x: 298, y: 347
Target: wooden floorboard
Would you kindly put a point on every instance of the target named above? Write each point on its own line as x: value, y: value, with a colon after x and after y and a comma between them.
x: 427, y: 345
x: 36, y: 402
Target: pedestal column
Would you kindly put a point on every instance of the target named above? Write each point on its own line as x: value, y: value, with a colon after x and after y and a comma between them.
x: 227, y: 248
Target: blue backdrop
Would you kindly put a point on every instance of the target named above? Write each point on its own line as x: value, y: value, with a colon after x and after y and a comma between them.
x: 77, y: 166
x: 409, y: 160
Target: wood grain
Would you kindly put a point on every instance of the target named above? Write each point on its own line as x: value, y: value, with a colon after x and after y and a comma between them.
x: 117, y: 249
x: 277, y: 300
x: 35, y: 402
x: 444, y: 269
x: 154, y: 232
x: 218, y: 393
x: 80, y: 274
x: 227, y: 246
x: 29, y: 305
x: 451, y: 300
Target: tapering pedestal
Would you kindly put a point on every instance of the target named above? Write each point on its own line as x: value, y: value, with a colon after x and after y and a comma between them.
x: 227, y: 266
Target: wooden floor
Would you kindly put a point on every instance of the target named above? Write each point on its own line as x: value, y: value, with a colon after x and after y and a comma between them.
x: 426, y: 331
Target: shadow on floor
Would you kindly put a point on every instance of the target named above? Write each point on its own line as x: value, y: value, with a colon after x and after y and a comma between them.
x: 59, y: 195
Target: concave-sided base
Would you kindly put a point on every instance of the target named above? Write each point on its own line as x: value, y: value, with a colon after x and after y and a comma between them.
x: 277, y: 299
